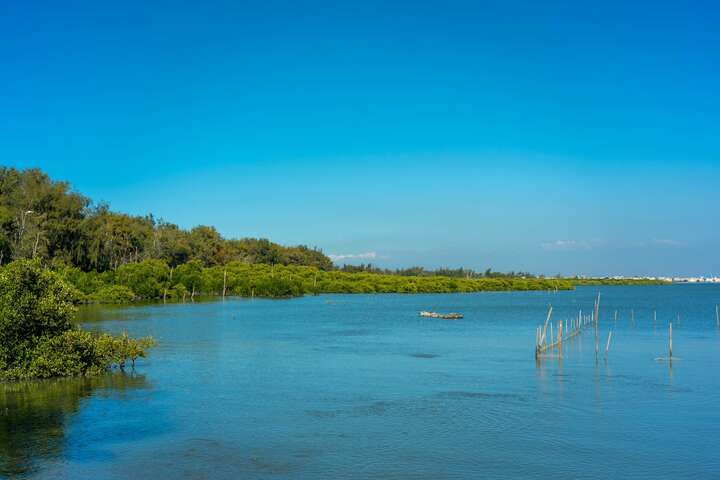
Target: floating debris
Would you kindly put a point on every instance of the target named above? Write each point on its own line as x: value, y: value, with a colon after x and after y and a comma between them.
x: 424, y: 355
x: 446, y: 316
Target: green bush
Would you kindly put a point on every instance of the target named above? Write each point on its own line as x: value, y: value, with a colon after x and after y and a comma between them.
x: 72, y: 353
x: 278, y: 288
x: 113, y: 294
x: 37, y: 337
x: 147, y: 279
x: 34, y: 303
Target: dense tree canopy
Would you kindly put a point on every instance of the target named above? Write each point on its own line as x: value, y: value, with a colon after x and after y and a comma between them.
x: 43, y: 218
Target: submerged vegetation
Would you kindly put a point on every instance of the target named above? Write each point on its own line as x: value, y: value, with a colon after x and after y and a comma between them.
x: 37, y: 336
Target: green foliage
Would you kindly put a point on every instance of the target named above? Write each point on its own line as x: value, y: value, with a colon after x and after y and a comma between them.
x: 147, y: 278
x: 37, y: 337
x: 120, y: 349
x: 34, y: 303
x: 279, y: 281
x: 72, y: 353
x: 279, y: 287
x: 112, y: 257
x: 190, y: 276
x: 112, y: 294
x: 42, y: 218
x: 440, y: 272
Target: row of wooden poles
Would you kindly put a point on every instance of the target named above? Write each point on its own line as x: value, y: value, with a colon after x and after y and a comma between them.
x: 632, y: 316
x: 575, y: 326
x: 566, y: 330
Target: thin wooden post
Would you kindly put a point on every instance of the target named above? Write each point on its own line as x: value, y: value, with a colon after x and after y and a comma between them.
x: 597, y: 308
x: 717, y: 315
x: 597, y: 345
x: 547, y: 320
x: 615, y: 316
x: 224, y: 282
x: 551, y: 333
x: 607, y: 345
x: 560, y: 332
x: 670, y: 342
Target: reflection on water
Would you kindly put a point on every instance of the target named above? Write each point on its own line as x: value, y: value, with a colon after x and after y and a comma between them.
x: 361, y: 387
x: 34, y: 415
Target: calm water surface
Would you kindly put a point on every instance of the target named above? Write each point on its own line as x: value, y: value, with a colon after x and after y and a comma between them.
x: 360, y: 387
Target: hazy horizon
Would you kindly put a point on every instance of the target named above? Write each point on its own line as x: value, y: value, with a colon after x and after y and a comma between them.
x: 543, y: 138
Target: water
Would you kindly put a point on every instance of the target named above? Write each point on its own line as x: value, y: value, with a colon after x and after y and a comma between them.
x: 360, y: 387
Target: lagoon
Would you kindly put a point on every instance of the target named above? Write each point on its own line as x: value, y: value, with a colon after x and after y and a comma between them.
x: 361, y: 387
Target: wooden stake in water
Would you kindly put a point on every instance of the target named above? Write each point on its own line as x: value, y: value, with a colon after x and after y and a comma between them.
x: 560, y: 331
x: 607, y: 345
x: 597, y: 345
x: 615, y: 316
x: 717, y: 315
x: 596, y: 317
x: 670, y: 342
x: 224, y: 282
x: 547, y: 320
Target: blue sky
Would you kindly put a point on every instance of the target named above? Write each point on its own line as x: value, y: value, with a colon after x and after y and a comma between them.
x: 542, y: 136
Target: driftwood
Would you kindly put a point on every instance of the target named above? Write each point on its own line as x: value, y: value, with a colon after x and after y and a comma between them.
x: 446, y: 316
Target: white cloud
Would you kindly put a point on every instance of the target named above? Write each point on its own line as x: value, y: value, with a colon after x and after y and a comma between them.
x: 666, y: 242
x: 353, y: 256
x: 565, y: 245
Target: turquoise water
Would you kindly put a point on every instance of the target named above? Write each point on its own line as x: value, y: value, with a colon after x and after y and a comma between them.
x: 361, y: 387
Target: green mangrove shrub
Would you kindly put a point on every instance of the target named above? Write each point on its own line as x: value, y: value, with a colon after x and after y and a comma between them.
x: 37, y: 336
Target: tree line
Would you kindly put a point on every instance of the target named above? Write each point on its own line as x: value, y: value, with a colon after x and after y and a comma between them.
x: 109, y: 255
x: 156, y: 280
x: 45, y: 219
x: 440, y: 272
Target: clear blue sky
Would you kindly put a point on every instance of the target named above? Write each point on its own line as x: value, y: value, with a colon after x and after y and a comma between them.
x: 542, y: 136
